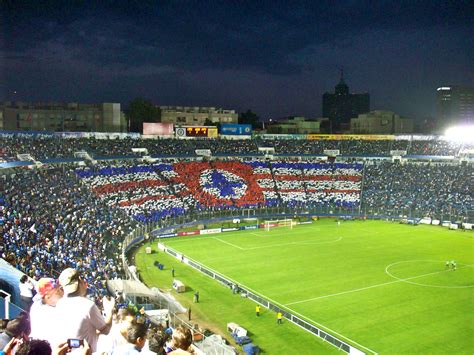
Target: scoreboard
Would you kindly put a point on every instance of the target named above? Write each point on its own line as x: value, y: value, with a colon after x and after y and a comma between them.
x: 196, y: 131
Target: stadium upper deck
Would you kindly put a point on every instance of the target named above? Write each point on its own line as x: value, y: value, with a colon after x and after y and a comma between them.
x: 50, y: 148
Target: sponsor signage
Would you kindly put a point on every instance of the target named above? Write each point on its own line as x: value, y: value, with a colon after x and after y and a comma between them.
x: 188, y: 233
x: 229, y: 229
x: 210, y: 231
x: 140, y: 150
x: 168, y: 235
x: 270, y: 225
x: 157, y: 129
x: 332, y: 152
x: 342, y: 137
x: 212, y: 132
x: 236, y: 129
x: 267, y: 150
x: 396, y: 153
x: 203, y: 152
x: 249, y: 227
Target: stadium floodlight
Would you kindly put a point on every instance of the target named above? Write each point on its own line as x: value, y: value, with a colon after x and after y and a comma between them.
x: 460, y: 133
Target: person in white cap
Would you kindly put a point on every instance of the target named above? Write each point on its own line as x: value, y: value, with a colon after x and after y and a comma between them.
x: 81, y: 319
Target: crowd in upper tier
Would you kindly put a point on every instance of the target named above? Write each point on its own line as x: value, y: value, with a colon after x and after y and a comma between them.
x: 428, y: 189
x: 44, y: 147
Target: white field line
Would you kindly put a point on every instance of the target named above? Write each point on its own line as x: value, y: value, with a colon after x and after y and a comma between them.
x: 232, y: 245
x: 369, y: 287
x: 276, y: 245
x: 333, y: 332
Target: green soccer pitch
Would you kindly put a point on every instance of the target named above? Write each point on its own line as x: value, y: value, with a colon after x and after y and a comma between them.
x: 380, y: 285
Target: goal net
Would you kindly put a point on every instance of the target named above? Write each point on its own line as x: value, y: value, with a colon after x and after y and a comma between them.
x: 279, y: 223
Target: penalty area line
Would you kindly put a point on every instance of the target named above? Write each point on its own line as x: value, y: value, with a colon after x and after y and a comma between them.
x: 232, y: 245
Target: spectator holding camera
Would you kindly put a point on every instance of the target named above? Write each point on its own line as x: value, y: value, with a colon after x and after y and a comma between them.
x: 80, y: 317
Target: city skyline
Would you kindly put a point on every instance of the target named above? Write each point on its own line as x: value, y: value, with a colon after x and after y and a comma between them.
x: 274, y: 58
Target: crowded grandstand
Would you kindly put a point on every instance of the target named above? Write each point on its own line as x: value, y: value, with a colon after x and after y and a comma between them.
x: 83, y: 203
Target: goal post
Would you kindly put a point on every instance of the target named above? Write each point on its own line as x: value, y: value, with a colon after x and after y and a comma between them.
x: 287, y: 222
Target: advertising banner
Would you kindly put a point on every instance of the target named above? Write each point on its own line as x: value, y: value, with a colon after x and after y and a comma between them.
x: 158, y: 129
x: 188, y: 233
x: 332, y: 152
x: 168, y: 235
x: 230, y: 229
x: 203, y: 152
x: 210, y: 231
x: 212, y: 132
x: 235, y: 129
x: 249, y: 227
x: 341, y: 137
x: 398, y: 153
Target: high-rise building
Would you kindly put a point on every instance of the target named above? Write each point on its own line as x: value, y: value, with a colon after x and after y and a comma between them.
x: 339, y: 107
x: 455, y: 105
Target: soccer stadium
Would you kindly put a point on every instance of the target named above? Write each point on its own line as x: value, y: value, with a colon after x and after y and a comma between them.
x: 304, y: 244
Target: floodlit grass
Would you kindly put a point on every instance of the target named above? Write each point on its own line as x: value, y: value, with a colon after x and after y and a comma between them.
x: 378, y: 284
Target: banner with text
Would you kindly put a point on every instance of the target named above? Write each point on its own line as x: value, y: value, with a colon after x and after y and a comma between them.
x: 235, y: 129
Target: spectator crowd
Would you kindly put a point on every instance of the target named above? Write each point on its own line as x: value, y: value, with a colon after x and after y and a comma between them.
x: 64, y: 318
x: 49, y: 221
x: 73, y: 219
x: 419, y: 189
x: 43, y: 147
x: 150, y: 192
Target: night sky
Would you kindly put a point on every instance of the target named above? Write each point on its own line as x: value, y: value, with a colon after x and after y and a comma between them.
x: 276, y: 58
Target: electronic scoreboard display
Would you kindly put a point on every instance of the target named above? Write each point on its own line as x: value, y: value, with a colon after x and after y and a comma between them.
x: 196, y: 132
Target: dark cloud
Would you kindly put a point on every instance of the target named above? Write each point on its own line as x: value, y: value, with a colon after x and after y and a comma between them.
x: 176, y: 52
